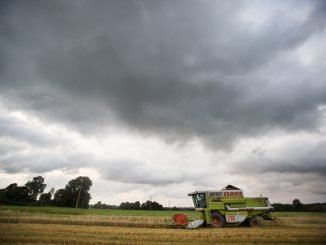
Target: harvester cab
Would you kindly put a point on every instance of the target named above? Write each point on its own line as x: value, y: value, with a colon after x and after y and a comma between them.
x: 229, y: 206
x: 199, y: 199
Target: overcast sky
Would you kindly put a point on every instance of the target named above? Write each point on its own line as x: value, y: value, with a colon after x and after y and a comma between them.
x: 162, y: 98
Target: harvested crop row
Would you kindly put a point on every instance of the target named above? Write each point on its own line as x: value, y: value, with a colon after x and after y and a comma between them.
x: 71, y: 234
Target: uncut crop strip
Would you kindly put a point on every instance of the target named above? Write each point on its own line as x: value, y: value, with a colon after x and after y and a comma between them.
x: 71, y: 234
x: 96, y: 220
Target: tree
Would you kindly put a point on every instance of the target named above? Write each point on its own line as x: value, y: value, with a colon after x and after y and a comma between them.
x: 45, y: 198
x: 60, y: 198
x: 9, y: 192
x: 14, y: 194
x: 35, y: 187
x: 76, y: 193
x: 298, y: 206
x: 130, y: 205
x: 283, y: 207
x: 137, y: 205
x: 22, y: 195
x: 27, y: 194
x: 100, y: 205
x: 151, y: 205
x: 2, y: 194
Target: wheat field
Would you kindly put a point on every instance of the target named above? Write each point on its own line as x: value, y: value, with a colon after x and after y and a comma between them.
x: 19, y: 227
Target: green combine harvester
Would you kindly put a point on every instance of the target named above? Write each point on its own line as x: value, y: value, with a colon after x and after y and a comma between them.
x: 227, y: 206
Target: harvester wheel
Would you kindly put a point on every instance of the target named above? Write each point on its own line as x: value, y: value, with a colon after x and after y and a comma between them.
x: 253, y: 222
x: 217, y: 220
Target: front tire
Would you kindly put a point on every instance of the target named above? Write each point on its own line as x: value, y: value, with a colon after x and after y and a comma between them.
x: 217, y: 220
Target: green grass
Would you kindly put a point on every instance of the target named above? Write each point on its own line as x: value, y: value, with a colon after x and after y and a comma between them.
x: 73, y: 211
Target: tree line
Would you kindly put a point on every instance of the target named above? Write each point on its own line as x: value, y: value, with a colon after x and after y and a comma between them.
x: 75, y: 194
x: 148, y: 205
x: 298, y: 206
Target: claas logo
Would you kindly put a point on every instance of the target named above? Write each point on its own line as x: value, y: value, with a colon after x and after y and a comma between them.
x: 233, y: 194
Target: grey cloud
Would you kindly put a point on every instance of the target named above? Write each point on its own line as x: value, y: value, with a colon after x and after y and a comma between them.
x: 20, y: 131
x: 8, y: 147
x: 299, y: 157
x: 41, y: 161
x: 280, y: 187
x: 25, y: 146
x: 136, y: 172
x: 133, y: 172
x: 313, y: 160
x: 175, y: 69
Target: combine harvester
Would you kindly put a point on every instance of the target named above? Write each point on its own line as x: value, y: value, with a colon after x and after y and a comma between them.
x: 227, y: 206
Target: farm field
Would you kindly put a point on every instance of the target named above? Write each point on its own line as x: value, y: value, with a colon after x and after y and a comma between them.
x: 30, y: 225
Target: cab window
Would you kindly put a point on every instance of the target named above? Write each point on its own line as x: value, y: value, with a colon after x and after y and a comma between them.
x: 199, y: 200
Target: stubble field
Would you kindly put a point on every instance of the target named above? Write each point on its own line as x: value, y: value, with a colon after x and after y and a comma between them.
x: 30, y: 225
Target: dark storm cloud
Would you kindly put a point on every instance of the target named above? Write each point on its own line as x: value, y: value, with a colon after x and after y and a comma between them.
x: 229, y: 74
x: 175, y: 69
